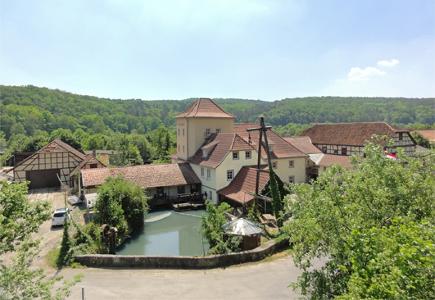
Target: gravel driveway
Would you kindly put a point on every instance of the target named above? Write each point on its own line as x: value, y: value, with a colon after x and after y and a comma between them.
x: 262, y: 280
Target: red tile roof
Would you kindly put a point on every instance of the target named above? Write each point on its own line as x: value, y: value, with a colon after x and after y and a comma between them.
x: 328, y: 160
x: 55, y: 146
x: 204, y: 108
x: 146, y: 176
x: 428, y: 134
x: 218, y: 146
x: 280, y: 147
x: 353, y: 134
x: 303, y: 143
x: 242, y: 188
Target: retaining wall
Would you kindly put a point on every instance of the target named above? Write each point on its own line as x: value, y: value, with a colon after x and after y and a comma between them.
x: 181, y: 262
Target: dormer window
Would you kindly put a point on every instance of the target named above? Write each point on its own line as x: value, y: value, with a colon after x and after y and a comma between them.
x: 235, y: 155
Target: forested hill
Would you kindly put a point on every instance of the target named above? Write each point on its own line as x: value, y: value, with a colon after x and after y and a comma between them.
x: 27, y: 109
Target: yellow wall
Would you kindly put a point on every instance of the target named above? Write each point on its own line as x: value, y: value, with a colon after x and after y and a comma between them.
x: 298, y: 171
x: 194, y: 137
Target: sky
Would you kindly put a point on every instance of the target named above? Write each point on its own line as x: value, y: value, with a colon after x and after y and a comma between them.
x: 256, y: 49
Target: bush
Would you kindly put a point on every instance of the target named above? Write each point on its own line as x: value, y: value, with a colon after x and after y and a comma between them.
x: 212, y: 224
x: 121, y: 204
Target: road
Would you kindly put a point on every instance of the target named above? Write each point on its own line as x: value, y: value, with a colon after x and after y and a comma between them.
x: 262, y: 280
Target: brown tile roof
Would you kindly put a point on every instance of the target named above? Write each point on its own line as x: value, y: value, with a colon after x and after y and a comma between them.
x: 55, y: 146
x: 89, y: 159
x: 204, y: 107
x: 354, y: 134
x: 218, y: 146
x: 146, y: 176
x: 242, y: 188
x: 328, y: 160
x: 280, y: 147
x: 303, y: 143
x: 428, y: 134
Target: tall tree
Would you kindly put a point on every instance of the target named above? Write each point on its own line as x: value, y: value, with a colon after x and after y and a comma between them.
x: 346, y: 216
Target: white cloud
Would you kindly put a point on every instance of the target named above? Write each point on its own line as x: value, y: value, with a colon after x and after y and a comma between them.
x: 356, y: 73
x: 388, y: 62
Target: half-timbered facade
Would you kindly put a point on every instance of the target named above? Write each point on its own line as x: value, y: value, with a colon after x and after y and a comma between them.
x: 350, y: 138
x: 52, y: 166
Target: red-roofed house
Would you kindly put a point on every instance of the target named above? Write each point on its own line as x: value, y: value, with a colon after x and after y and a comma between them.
x: 217, y: 149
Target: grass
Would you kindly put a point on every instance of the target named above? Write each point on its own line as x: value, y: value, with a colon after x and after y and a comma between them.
x: 52, y: 256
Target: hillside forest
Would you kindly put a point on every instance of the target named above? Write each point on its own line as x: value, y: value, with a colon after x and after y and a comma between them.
x: 144, y: 131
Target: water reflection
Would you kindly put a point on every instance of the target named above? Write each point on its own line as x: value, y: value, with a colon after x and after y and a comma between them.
x: 169, y: 233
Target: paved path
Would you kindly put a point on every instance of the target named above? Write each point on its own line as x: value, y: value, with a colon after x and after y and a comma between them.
x: 262, y: 280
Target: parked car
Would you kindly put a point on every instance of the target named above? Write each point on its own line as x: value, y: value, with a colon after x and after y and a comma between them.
x: 59, y: 217
x: 74, y: 200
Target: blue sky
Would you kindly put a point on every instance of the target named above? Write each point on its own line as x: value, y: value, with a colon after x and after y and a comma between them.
x: 254, y: 49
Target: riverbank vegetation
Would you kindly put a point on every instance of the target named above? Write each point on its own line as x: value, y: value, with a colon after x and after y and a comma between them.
x: 212, y: 229
x: 371, y: 228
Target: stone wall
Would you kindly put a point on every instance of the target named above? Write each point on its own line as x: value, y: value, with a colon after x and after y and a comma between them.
x: 181, y: 262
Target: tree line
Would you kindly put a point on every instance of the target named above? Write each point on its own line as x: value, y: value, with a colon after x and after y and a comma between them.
x: 145, y: 130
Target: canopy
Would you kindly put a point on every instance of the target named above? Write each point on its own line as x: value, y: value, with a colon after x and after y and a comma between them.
x: 242, y: 227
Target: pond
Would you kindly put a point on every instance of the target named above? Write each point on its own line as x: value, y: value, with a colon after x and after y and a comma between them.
x: 169, y: 233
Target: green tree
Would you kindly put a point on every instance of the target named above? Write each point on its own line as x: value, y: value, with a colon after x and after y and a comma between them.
x: 212, y: 223
x: 64, y: 257
x: 121, y: 204
x: 19, y: 219
x: 342, y: 205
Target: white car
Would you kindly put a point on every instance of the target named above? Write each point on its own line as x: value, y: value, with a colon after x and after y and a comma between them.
x: 59, y: 217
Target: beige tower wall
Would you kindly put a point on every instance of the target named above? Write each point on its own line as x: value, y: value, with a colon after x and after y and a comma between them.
x: 194, y: 133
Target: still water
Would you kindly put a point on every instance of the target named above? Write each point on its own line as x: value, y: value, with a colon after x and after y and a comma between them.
x: 169, y: 233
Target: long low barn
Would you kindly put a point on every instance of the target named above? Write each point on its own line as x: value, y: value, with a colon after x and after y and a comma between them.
x: 165, y: 183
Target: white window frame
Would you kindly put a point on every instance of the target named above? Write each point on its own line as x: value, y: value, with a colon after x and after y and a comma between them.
x: 248, y: 156
x: 291, y: 179
x: 275, y: 165
x: 229, y: 178
x: 218, y: 130
x: 291, y: 163
x: 202, y: 171
x: 207, y: 132
x: 208, y: 173
x: 210, y: 195
x: 236, y: 157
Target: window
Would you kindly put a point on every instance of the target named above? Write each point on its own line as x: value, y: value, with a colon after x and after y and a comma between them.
x: 247, y: 154
x: 183, y: 148
x: 218, y: 130
x: 336, y: 151
x: 235, y: 155
x: 208, y: 173
x: 400, y: 136
x: 207, y: 132
x: 291, y: 179
x: 178, y: 131
x: 202, y: 172
x: 181, y: 189
x: 183, y: 131
x: 210, y: 195
x: 324, y: 149
x: 291, y: 163
x: 344, y: 151
x: 93, y: 166
x: 274, y: 164
x: 230, y: 175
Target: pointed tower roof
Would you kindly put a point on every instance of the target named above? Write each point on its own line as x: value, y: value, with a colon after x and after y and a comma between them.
x: 205, y: 108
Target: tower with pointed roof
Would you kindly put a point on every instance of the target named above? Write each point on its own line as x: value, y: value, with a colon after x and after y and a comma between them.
x: 201, y: 119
